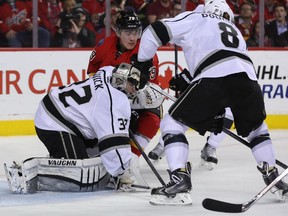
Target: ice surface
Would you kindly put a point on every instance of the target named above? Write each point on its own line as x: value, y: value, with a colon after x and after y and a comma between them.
x: 235, y: 179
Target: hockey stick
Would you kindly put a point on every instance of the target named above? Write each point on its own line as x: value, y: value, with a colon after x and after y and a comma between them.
x: 172, y: 98
x: 140, y: 186
x: 146, y: 158
x: 176, y: 66
x: 225, y: 130
x: 220, y: 206
x: 236, y: 137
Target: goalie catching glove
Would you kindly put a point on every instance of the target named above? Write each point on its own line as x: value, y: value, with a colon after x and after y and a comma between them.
x: 180, y: 82
x: 123, y: 181
x: 148, y: 97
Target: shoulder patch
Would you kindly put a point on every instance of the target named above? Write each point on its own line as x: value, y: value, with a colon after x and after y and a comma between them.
x: 93, y: 55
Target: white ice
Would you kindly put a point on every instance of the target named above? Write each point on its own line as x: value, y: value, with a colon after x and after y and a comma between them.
x: 235, y: 179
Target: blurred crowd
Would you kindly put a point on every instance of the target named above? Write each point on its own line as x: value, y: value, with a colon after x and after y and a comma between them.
x: 82, y: 23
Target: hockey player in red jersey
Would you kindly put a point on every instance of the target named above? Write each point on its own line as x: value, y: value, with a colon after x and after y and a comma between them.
x: 124, y: 48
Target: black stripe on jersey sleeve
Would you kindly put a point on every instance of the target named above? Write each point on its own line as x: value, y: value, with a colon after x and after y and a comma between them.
x: 161, y: 32
x: 113, y: 143
x: 111, y: 102
x: 50, y: 107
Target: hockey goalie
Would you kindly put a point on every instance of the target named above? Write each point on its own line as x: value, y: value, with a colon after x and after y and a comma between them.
x: 70, y: 119
x: 94, y: 113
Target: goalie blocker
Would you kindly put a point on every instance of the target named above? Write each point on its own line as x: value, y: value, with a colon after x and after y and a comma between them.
x: 49, y: 174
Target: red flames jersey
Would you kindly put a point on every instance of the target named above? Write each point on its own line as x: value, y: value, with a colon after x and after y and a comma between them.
x: 108, y: 54
x: 15, y: 18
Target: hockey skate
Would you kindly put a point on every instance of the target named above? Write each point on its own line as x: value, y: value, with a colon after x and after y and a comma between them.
x: 208, y: 157
x: 157, y: 153
x: 269, y: 174
x: 177, y: 191
x: 18, y: 181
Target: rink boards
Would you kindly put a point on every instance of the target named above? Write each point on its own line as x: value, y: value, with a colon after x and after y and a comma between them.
x: 26, y: 75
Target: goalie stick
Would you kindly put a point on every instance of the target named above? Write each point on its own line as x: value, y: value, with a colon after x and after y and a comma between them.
x: 225, y: 130
x: 146, y: 158
x: 220, y: 206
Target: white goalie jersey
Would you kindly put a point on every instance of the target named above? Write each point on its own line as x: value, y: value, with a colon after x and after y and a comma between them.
x: 93, y: 106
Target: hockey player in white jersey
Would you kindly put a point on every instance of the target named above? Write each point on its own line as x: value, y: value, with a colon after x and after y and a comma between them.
x: 93, y: 112
x: 223, y: 76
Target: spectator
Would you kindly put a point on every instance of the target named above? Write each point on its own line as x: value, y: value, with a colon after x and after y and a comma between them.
x: 244, y: 21
x: 192, y: 4
x: 235, y: 6
x: 159, y: 9
x: 95, y: 8
x: 253, y: 40
x: 176, y: 8
x: 16, y: 25
x: 140, y: 8
x: 68, y: 5
x: 48, y: 11
x: 268, y: 8
x: 277, y: 27
x: 72, y: 31
x: 101, y: 26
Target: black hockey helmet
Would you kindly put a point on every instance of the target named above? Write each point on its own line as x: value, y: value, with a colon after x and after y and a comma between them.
x: 128, y: 20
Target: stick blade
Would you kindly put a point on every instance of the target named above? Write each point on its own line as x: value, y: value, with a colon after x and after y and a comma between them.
x: 219, y: 206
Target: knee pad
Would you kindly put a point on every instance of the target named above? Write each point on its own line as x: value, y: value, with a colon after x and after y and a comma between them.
x: 172, y: 138
x: 259, y: 135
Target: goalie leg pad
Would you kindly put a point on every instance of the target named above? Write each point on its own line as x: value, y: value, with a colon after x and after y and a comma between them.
x: 72, y: 175
x: 38, y: 174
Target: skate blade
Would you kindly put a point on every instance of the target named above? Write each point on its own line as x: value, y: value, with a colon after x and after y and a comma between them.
x: 280, y: 196
x: 207, y: 165
x: 181, y: 199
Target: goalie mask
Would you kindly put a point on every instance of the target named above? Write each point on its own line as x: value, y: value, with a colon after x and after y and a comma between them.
x: 220, y: 8
x: 126, y: 78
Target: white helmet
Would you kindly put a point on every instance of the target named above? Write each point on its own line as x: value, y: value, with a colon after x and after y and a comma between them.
x: 220, y: 8
x: 125, y: 73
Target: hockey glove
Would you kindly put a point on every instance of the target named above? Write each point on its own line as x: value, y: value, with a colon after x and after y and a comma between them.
x: 145, y: 68
x: 218, y: 122
x: 180, y: 82
x: 123, y: 182
x: 148, y: 98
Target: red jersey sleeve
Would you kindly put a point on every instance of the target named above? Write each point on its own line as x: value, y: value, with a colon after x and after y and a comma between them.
x: 102, y: 55
x: 154, y: 73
